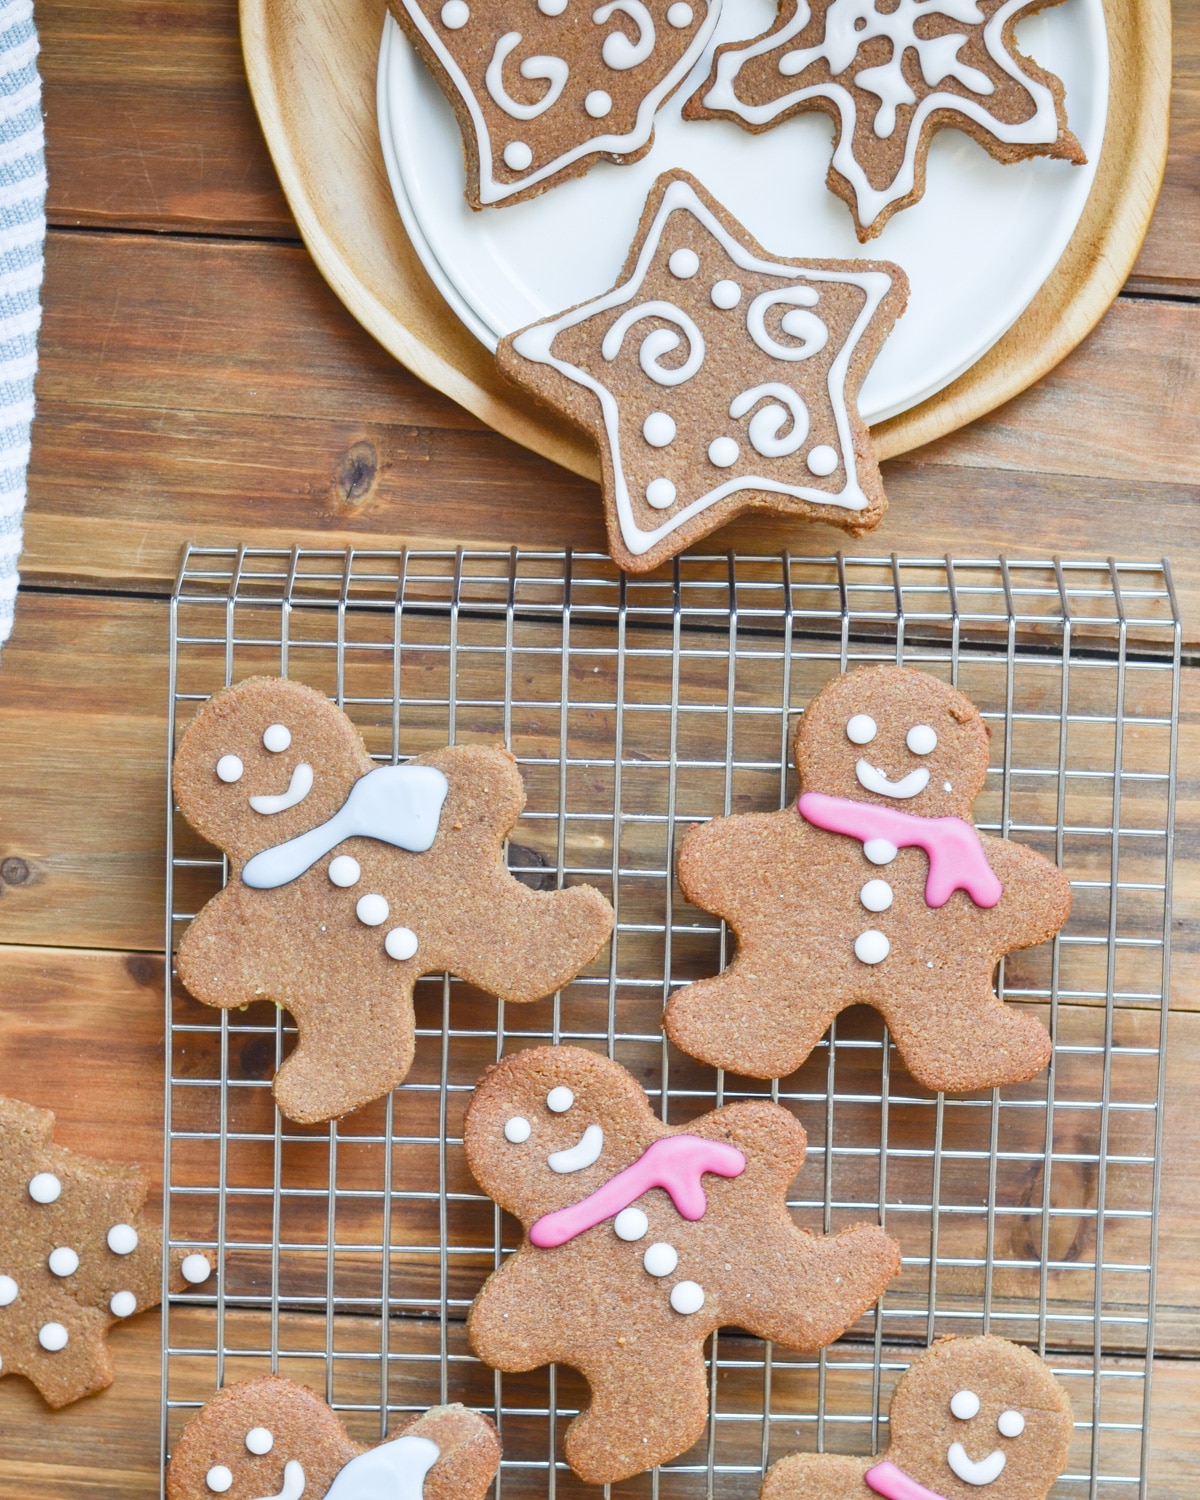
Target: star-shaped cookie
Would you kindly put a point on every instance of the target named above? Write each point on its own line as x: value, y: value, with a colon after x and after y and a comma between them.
x: 715, y: 378
x: 891, y: 73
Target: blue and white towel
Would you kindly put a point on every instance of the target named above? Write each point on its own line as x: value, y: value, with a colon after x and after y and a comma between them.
x: 22, y: 241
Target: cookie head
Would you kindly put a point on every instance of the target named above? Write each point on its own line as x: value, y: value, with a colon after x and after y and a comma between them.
x: 548, y: 1126
x: 897, y: 738
x: 980, y: 1417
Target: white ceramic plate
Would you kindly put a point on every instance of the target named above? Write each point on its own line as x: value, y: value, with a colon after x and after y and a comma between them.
x: 976, y: 247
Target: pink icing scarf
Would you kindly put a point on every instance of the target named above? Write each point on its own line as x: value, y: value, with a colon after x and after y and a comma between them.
x: 894, y: 1484
x: 956, y: 857
x: 675, y: 1163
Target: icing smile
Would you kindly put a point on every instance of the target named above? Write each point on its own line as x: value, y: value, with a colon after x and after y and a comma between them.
x: 970, y: 1472
x: 293, y: 1482
x: 583, y: 1154
x: 875, y: 781
x: 299, y: 787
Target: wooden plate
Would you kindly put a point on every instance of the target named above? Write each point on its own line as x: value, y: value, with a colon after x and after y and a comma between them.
x: 312, y: 66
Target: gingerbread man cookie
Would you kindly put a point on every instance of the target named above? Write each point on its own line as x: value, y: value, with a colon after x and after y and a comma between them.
x: 271, y: 1439
x: 76, y: 1256
x: 641, y: 1240
x: 970, y: 1418
x: 892, y: 73
x: 873, y: 887
x: 349, y: 880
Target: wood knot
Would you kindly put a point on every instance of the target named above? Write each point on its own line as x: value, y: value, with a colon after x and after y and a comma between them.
x: 14, y: 870
x: 357, y: 476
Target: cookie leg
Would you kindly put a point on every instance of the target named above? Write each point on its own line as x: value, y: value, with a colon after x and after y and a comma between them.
x: 807, y: 1293
x: 523, y: 945
x: 763, y: 1027
x: 352, y: 1049
x: 957, y: 1042
x: 643, y: 1412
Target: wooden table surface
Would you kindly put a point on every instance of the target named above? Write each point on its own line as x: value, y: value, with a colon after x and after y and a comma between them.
x: 199, y: 381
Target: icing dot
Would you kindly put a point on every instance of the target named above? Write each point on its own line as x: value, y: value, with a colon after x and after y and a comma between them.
x: 371, y: 910
x: 277, y: 737
x: 53, y: 1337
x: 44, y: 1188
x: 631, y: 1224
x: 861, y: 729
x: 680, y: 15
x: 921, y: 740
x: 687, y: 1296
x: 219, y: 1479
x: 552, y: 7
x: 964, y: 1405
x: 261, y: 1440
x: 876, y: 895
x: 455, y: 15
x: 560, y: 1099
x: 660, y: 1259
x: 684, y: 263
x: 122, y: 1239
x: 517, y: 156
x: 230, y: 768
x: 8, y: 1290
x: 598, y: 104
x: 871, y: 947
x: 517, y: 1130
x: 726, y: 294
x: 660, y: 493
x: 723, y: 452
x: 946, y: 787
x: 822, y: 460
x: 400, y: 943
x: 1010, y: 1423
x: 123, y: 1305
x: 344, y: 871
x: 196, y: 1268
x: 63, y: 1261
x: 879, y: 851
x: 659, y: 429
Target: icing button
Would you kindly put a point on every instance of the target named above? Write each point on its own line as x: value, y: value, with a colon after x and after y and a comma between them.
x: 8, y: 1291
x: 400, y: 943
x: 63, y: 1261
x: 344, y: 871
x: 871, y: 947
x: 687, y: 1296
x: 660, y: 493
x: 196, y: 1268
x: 822, y: 460
x: 659, y: 429
x: 53, y: 1337
x: 660, y: 1259
x: 726, y: 294
x: 631, y: 1224
x: 44, y: 1188
x: 723, y: 452
x: 371, y: 910
x: 122, y: 1239
x: 683, y: 263
x: 876, y: 895
x: 517, y: 156
x: 680, y: 15
x: 598, y: 104
x: 880, y: 851
x: 455, y: 15
x: 552, y: 7
x: 123, y: 1305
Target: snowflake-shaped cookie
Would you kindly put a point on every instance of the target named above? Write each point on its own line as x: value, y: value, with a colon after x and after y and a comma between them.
x: 544, y: 89
x: 716, y: 377
x: 891, y: 73
x: 76, y: 1256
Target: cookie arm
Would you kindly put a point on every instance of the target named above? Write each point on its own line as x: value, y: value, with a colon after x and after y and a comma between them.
x: 511, y: 1325
x: 1037, y: 895
x: 818, y: 1476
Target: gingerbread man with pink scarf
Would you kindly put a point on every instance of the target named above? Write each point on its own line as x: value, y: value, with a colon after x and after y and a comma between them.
x: 874, y: 888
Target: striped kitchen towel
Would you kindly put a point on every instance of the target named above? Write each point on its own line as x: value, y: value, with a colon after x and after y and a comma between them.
x: 22, y: 241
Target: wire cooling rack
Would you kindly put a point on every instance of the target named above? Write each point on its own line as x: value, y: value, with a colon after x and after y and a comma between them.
x: 347, y: 1255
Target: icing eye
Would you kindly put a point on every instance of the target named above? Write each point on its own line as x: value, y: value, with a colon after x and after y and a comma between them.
x: 230, y: 768
x: 1010, y: 1423
x: 277, y: 737
x: 517, y: 1130
x: 260, y: 1440
x: 921, y: 740
x: 861, y: 729
x: 560, y: 1099
x: 964, y: 1405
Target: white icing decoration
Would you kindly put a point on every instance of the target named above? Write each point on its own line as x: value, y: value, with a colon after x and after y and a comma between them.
x: 552, y: 7
x: 660, y: 1259
x: 8, y: 1291
x: 122, y: 1239
x: 876, y: 895
x: 53, y: 1337
x: 687, y: 1297
x: 726, y: 294
x: 372, y: 909
x: 598, y: 104
x: 921, y: 740
x: 455, y: 14
x: 345, y: 871
x: 196, y: 1268
x: 661, y: 341
x: 723, y: 452
x: 298, y: 788
x: 871, y: 947
x: 398, y: 805
x: 123, y: 1305
x: 219, y: 1479
x: 875, y: 781
x: 260, y: 1440
x: 938, y: 59
x: 294, y: 1481
x: 517, y: 1130
x: 517, y: 155
x: 554, y: 70
x: 861, y: 729
x: 1010, y: 1424
x: 393, y: 1471
x: 618, y: 51
x: 230, y: 768
x: 798, y: 322
x: 276, y: 738
x: 986, y: 1471
x: 767, y: 423
x: 631, y: 1224
x: 536, y: 345
x: 63, y: 1262
x: 560, y: 1099
x: 44, y: 1187
x: 400, y: 943
x: 680, y: 15
x: 880, y: 851
x: 822, y: 460
x: 585, y: 1152
x: 659, y: 429
x: 660, y: 493
x: 683, y: 263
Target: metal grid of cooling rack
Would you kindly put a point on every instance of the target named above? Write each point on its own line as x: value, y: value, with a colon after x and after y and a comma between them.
x: 347, y: 1255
